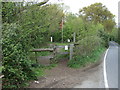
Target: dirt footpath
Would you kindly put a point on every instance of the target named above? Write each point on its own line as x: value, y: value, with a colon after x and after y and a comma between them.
x: 64, y: 77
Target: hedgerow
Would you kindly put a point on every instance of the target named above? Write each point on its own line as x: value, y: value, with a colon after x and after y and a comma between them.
x: 17, y: 67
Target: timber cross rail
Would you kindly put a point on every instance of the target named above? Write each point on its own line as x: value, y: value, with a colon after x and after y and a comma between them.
x: 54, y: 50
x: 42, y: 50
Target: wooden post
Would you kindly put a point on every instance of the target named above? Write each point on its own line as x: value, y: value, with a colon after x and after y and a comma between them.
x: 74, y: 37
x: 54, y: 51
x: 71, y: 51
x: 42, y: 50
x: 62, y: 29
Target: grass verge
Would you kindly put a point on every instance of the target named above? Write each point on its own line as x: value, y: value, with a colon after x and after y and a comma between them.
x: 39, y: 70
x: 79, y: 61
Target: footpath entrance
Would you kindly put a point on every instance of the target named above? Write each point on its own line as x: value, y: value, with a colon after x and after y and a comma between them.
x: 57, y: 52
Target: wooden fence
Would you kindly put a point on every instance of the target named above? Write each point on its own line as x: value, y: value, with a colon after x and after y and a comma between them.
x: 54, y: 50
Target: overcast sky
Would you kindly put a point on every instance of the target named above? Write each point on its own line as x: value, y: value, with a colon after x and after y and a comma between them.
x: 75, y: 5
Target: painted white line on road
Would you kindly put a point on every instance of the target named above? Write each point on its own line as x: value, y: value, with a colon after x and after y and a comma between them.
x: 105, y: 73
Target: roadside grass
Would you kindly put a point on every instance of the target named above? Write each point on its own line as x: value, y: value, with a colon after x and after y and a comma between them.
x: 79, y: 61
x: 63, y: 50
x: 45, y: 53
x: 39, y: 70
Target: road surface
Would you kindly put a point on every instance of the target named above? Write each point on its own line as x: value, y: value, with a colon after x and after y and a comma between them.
x: 112, y: 65
x: 96, y: 77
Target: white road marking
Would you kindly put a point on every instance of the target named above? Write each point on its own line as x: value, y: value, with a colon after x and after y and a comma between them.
x: 105, y: 74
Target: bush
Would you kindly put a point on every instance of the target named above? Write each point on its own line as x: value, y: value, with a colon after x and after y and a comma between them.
x: 87, y: 45
x: 104, y: 36
x: 87, y: 51
x: 17, y: 68
x: 81, y: 61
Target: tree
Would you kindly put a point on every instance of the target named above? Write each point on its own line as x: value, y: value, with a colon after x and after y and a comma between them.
x: 77, y: 25
x: 11, y: 9
x: 40, y: 22
x: 69, y: 27
x: 99, y: 14
x: 29, y: 29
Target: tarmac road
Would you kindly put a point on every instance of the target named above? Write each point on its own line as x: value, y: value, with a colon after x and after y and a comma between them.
x: 112, y: 65
x: 95, y: 78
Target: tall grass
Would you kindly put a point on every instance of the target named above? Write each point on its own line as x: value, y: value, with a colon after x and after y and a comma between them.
x: 79, y: 61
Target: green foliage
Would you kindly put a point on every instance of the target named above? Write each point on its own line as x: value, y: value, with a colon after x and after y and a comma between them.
x: 104, y: 36
x: 114, y: 35
x: 119, y: 35
x: 17, y: 68
x: 89, y: 40
x: 31, y: 26
x: 39, y: 23
x: 50, y: 66
x: 1, y: 67
x: 87, y: 45
x: 38, y: 71
x: 34, y: 26
x: 10, y: 11
x: 99, y: 14
x: 57, y: 36
x: 46, y: 53
x: 79, y: 61
x: 82, y: 28
x: 73, y: 24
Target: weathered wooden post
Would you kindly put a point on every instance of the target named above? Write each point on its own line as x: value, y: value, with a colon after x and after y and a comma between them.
x: 74, y: 37
x: 42, y: 50
x: 71, y: 51
x: 54, y: 51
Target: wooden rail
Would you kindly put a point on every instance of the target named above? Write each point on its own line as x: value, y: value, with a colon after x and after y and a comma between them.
x: 43, y: 49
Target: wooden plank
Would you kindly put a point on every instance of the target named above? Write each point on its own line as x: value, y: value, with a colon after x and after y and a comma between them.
x: 43, y: 49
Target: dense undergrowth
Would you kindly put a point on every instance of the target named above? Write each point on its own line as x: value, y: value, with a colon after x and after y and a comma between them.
x: 79, y: 61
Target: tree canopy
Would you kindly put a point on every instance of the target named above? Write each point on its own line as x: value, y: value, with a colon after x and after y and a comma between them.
x: 99, y: 14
